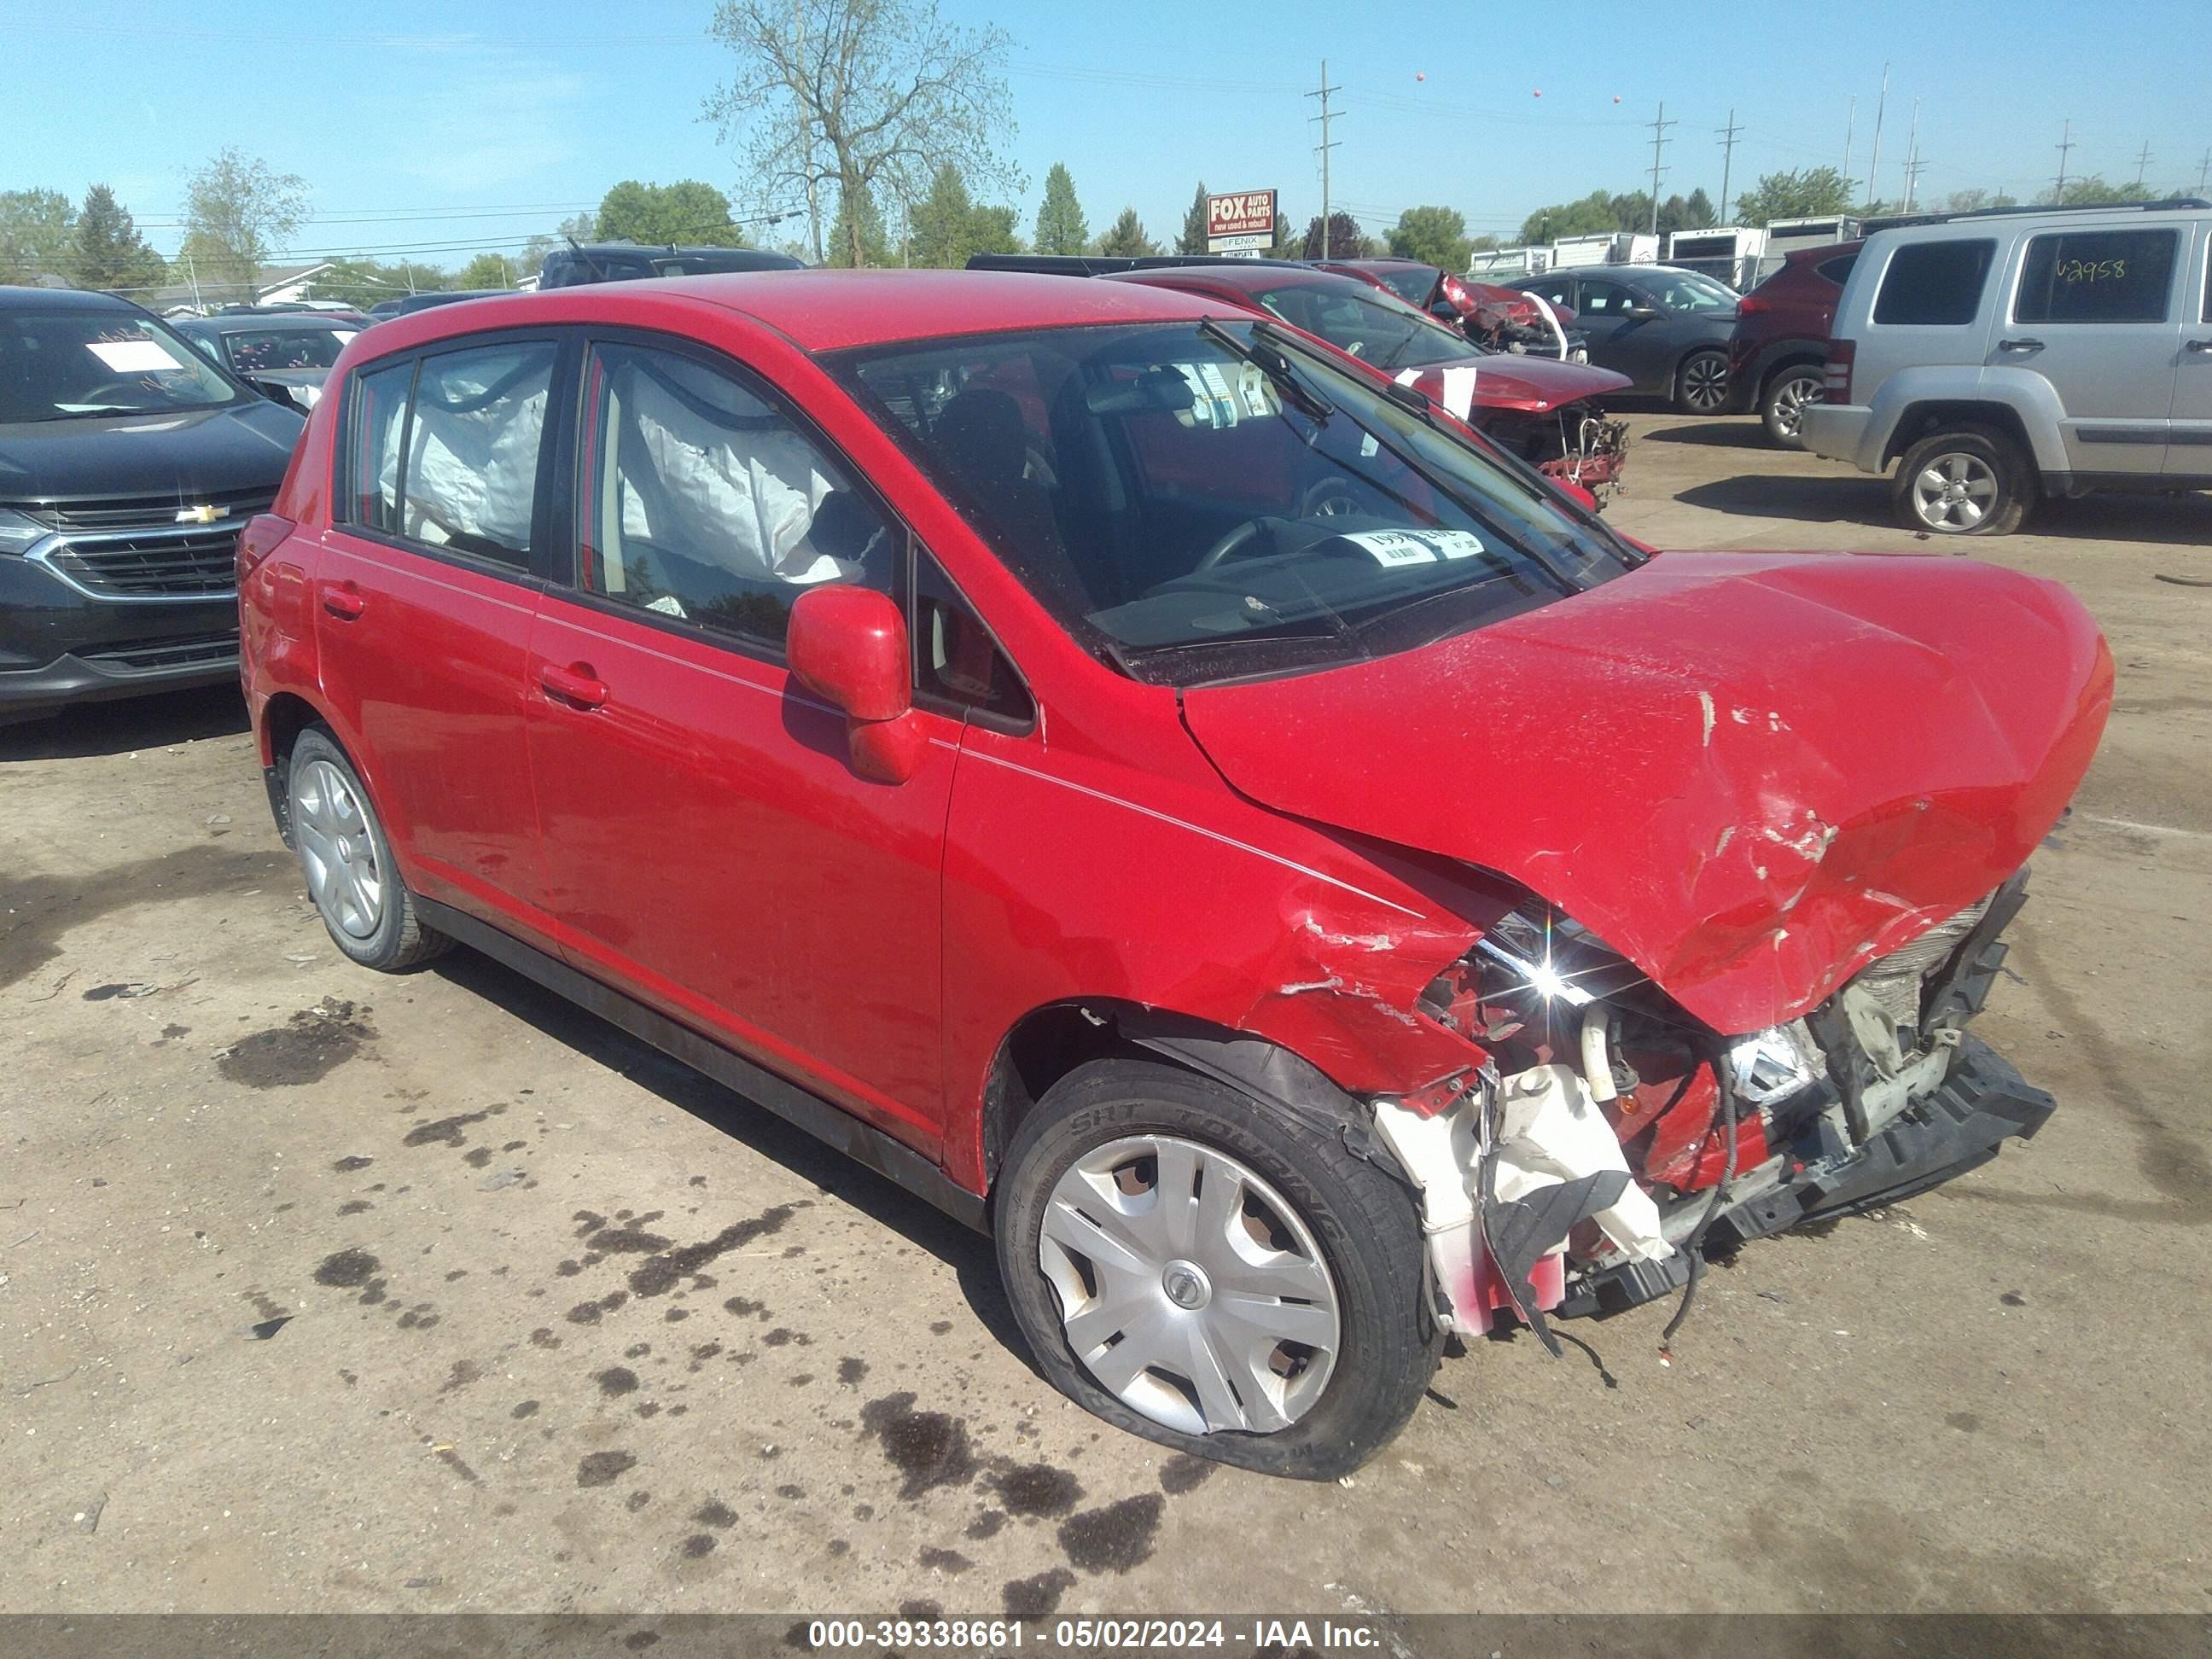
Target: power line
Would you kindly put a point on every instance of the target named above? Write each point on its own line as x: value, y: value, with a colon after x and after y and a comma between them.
x: 1323, y: 147
x: 1658, y: 144
x: 1728, y: 157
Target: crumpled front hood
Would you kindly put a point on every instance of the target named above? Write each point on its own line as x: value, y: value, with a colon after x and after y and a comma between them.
x: 1749, y: 773
x: 1510, y: 380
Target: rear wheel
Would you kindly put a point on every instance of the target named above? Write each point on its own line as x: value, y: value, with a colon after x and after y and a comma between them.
x: 1701, y: 383
x: 1970, y: 481
x: 1783, y: 408
x: 1192, y: 1269
x: 351, y: 875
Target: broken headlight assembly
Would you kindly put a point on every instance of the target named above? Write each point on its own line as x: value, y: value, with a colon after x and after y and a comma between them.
x: 1612, y: 1141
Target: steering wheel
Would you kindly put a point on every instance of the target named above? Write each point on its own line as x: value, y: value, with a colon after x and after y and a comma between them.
x: 1229, y: 547
x: 1328, y: 498
x: 126, y: 386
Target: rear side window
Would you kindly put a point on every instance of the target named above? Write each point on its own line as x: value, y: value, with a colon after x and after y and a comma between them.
x: 1934, y: 284
x: 2097, y: 277
x: 471, y: 478
x: 709, y: 505
x: 1839, y: 268
x: 378, y: 417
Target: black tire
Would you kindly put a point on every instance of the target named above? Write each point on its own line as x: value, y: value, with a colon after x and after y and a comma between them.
x: 1782, y: 405
x: 1971, y: 453
x: 1365, y: 1224
x: 394, y: 937
x: 1701, y: 383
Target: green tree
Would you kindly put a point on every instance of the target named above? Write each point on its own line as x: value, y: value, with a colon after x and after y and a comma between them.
x: 1344, y: 241
x: 870, y: 96
x: 1288, y: 244
x: 1059, y: 227
x: 37, y: 235
x: 364, y: 282
x: 486, y: 271
x: 1697, y: 212
x: 688, y: 212
x: 1193, y: 238
x: 583, y: 228
x: 856, y: 235
x: 2091, y: 190
x: 991, y: 230
x: 1434, y: 235
x: 237, y: 210
x: 940, y: 228
x: 1126, y: 239
x: 110, y: 253
x: 1594, y: 215
x: 1798, y: 194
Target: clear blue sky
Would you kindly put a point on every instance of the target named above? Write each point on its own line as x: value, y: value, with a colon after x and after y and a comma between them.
x: 472, y: 126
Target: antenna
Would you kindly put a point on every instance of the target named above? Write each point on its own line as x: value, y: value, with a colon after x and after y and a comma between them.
x: 1728, y: 155
x: 1658, y: 143
x: 1323, y: 148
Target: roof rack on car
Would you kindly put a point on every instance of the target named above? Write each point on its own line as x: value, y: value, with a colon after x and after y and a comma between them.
x: 1898, y: 220
x: 1103, y: 264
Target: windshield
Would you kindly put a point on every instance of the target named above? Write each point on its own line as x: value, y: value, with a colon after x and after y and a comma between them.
x: 1411, y: 284
x: 62, y: 365
x: 268, y: 349
x: 1370, y: 324
x: 1204, y: 501
x: 1690, y: 290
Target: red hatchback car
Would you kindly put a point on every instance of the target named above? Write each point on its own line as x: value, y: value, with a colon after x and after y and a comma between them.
x: 1180, y: 804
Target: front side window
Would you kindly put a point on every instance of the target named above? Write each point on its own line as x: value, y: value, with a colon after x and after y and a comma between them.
x: 1692, y: 291
x: 471, y: 478
x: 707, y: 504
x: 955, y: 658
x: 80, y: 365
x: 1194, y: 501
x: 1369, y: 324
x: 265, y: 351
x: 1934, y: 284
x: 2097, y: 277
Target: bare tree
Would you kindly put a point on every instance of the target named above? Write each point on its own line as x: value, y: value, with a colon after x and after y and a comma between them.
x: 236, y: 207
x: 867, y: 97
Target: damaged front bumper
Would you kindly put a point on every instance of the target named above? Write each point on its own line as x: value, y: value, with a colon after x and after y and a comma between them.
x: 1576, y: 1185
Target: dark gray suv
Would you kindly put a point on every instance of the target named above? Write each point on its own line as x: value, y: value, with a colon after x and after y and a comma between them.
x: 1665, y: 328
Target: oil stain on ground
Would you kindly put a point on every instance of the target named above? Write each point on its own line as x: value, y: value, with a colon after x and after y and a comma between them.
x: 1183, y: 1472
x: 661, y: 1273
x: 1037, y: 1490
x: 1038, y: 1596
x: 306, y: 1048
x: 604, y: 1468
x: 347, y: 1270
x: 929, y: 1448
x: 447, y: 1129
x: 1115, y: 1538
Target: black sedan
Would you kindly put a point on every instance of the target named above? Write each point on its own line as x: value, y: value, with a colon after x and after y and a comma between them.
x: 1667, y: 329
x: 128, y: 463
x: 290, y: 349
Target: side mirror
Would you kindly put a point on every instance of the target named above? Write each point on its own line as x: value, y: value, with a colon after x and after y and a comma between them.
x: 1640, y: 310
x: 849, y: 645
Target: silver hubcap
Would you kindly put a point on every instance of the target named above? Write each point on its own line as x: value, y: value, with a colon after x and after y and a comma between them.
x: 1789, y: 400
x: 1189, y: 1288
x: 1705, y: 382
x: 1955, y: 492
x: 337, y: 849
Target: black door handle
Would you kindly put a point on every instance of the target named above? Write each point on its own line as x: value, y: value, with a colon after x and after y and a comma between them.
x: 2019, y: 345
x: 2197, y: 345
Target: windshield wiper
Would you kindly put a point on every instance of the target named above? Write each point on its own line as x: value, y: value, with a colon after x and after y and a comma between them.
x: 1270, y: 362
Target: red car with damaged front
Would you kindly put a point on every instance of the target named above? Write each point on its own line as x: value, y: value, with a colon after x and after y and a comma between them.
x: 1177, y: 802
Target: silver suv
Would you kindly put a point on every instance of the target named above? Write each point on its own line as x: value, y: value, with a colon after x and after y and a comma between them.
x: 2004, y: 355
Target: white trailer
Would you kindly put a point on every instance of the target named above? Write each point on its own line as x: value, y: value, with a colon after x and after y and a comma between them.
x: 1728, y: 253
x: 1785, y: 236
x: 1509, y: 262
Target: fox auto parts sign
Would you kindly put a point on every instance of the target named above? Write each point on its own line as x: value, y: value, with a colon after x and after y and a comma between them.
x: 1245, y: 221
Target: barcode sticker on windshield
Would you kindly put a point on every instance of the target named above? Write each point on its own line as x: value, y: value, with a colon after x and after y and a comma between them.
x: 1394, y: 547
x: 132, y: 356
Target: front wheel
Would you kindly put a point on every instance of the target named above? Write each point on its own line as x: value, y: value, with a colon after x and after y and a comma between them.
x: 1783, y: 409
x: 1192, y: 1268
x: 1973, y: 481
x: 1701, y: 383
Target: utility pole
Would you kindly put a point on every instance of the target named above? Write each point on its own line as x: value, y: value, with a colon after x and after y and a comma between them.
x: 1658, y: 144
x: 2142, y: 164
x: 1728, y: 155
x: 2065, y: 143
x: 2203, y: 171
x: 1850, y: 122
x: 1874, y: 166
x: 1323, y: 147
x: 1913, y: 156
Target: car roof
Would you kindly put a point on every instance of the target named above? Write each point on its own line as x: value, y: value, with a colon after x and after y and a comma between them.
x: 1390, y: 262
x: 825, y: 310
x: 260, y: 322
x: 60, y: 299
x: 1225, y: 276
